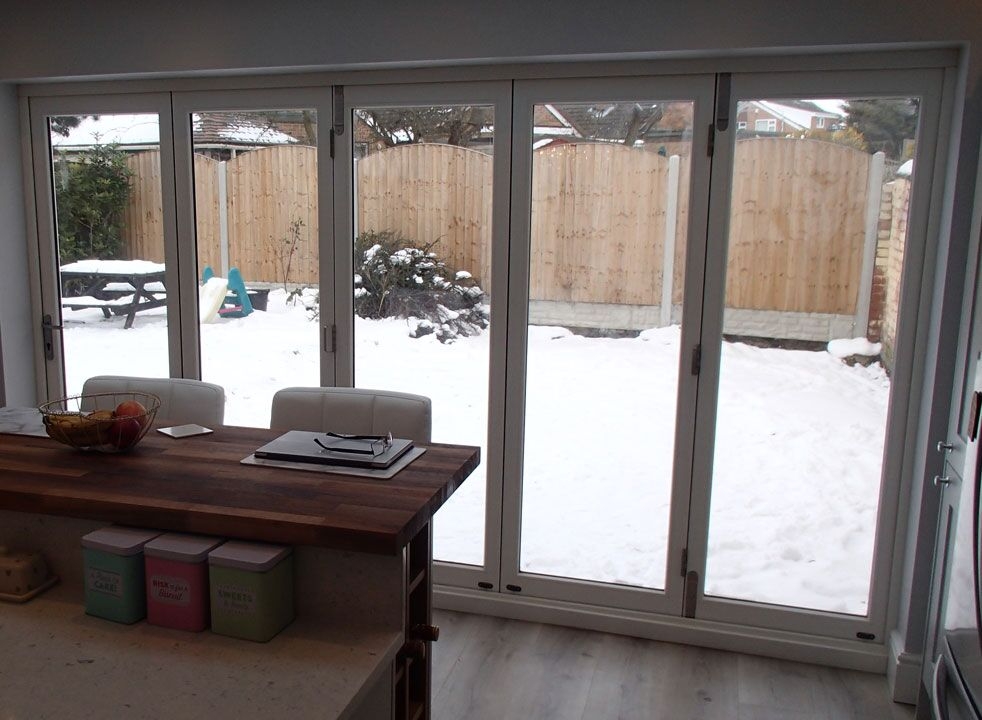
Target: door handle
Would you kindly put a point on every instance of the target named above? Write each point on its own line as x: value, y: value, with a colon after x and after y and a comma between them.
x: 47, y: 326
x: 942, y: 480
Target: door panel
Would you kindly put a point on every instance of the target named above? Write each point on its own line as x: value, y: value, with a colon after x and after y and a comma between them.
x: 816, y: 235
x: 106, y: 165
x: 260, y: 200
x: 426, y: 243
x: 603, y: 270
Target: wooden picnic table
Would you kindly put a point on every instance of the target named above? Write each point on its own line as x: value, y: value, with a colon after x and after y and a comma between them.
x: 118, y: 287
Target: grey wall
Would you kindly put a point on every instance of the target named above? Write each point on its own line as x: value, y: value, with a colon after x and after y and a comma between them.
x: 70, y: 38
x: 17, y: 385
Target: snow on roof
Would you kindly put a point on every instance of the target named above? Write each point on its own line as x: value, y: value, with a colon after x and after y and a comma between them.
x: 833, y: 106
x: 237, y: 128
x: 141, y: 129
x: 144, y: 129
x: 798, y: 112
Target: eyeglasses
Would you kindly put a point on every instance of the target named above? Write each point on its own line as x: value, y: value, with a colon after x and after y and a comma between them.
x: 374, y: 444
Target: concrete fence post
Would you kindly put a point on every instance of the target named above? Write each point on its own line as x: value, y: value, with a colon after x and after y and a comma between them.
x: 223, y: 216
x: 671, y: 222
x: 874, y: 190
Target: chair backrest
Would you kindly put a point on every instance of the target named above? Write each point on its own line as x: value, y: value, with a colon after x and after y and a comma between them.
x: 353, y: 410
x: 181, y: 400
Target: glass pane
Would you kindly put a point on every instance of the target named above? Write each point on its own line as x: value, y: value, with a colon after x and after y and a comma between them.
x: 609, y: 206
x: 255, y: 191
x: 106, y: 176
x: 422, y: 258
x: 816, y: 250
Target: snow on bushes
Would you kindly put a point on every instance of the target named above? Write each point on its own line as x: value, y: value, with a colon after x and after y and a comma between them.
x: 393, y: 278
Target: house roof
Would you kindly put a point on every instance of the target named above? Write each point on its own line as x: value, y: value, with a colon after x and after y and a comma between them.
x: 143, y: 130
x: 797, y: 113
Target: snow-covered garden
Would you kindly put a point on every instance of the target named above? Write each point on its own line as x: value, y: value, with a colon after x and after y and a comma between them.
x: 797, y: 466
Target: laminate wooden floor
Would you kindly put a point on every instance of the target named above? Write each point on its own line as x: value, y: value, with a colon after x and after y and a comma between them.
x: 486, y: 667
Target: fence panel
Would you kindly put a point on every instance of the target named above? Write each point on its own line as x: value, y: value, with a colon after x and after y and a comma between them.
x: 797, y: 226
x: 431, y: 194
x: 268, y: 189
x: 598, y: 224
x: 598, y: 218
x: 143, y: 218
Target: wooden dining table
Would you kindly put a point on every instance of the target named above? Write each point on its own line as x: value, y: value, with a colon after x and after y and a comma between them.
x: 199, y: 485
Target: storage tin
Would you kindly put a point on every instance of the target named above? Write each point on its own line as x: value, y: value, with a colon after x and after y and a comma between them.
x: 251, y: 589
x: 114, y: 585
x: 177, y: 580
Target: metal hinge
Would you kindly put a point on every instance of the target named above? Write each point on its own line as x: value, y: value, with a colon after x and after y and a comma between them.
x: 690, y: 593
x: 723, y: 102
x: 329, y: 338
x: 685, y: 561
x: 697, y: 359
x: 338, y: 110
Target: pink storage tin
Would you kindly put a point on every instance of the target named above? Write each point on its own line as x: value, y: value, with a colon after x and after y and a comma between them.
x: 177, y: 580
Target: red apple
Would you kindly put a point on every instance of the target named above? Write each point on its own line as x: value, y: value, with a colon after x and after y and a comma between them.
x: 125, y: 432
x: 131, y: 409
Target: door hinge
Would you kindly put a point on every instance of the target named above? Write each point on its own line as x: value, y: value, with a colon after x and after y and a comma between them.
x: 697, y: 359
x: 329, y: 338
x: 690, y: 593
x: 338, y: 107
x: 723, y: 102
x: 711, y: 141
x: 685, y: 561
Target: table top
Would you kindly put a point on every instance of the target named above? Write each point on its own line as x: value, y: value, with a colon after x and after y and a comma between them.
x: 198, y: 485
x: 113, y: 268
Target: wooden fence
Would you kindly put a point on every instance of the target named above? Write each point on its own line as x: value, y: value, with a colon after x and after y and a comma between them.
x: 599, y: 218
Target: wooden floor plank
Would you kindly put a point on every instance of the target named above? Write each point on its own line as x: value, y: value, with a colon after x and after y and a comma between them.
x: 488, y: 668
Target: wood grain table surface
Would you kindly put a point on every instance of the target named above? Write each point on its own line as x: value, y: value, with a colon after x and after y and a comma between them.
x: 198, y: 485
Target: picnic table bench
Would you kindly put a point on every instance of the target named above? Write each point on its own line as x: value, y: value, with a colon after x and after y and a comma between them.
x: 117, y: 287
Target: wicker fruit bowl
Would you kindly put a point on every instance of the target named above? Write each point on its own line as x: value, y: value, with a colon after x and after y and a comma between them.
x: 106, y: 422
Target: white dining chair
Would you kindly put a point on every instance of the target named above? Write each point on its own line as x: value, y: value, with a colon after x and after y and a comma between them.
x: 353, y: 410
x: 181, y: 400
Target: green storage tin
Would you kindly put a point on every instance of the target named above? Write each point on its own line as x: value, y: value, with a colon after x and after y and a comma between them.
x: 251, y: 589
x: 114, y: 577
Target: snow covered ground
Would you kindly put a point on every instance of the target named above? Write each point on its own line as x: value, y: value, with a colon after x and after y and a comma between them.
x: 797, y: 464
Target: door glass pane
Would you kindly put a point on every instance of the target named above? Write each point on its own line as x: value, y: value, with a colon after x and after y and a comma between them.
x: 422, y: 259
x: 255, y: 196
x: 815, y: 254
x: 610, y: 189
x: 106, y: 177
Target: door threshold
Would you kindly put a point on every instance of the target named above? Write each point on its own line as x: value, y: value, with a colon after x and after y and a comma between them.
x: 781, y: 644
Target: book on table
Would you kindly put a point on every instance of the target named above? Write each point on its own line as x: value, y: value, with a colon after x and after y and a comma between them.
x: 363, y: 451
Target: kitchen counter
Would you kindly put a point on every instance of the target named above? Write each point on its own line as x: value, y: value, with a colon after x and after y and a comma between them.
x: 363, y: 582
